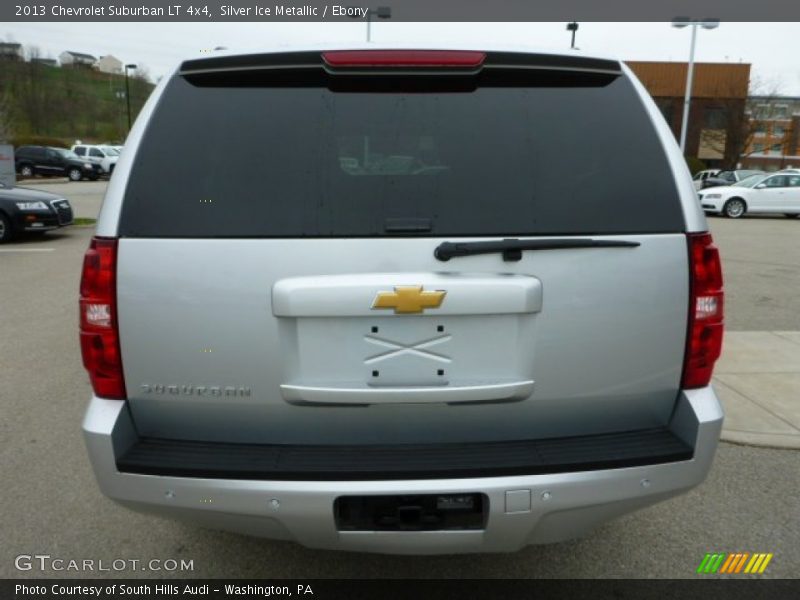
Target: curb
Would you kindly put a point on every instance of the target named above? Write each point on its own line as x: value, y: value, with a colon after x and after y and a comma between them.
x: 757, y: 381
x: 51, y: 180
x: 42, y: 180
x: 761, y: 440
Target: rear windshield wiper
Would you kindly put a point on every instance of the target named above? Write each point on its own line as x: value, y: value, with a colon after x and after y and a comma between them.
x: 512, y: 249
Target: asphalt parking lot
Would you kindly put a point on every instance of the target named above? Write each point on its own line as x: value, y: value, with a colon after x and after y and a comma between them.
x: 52, y: 505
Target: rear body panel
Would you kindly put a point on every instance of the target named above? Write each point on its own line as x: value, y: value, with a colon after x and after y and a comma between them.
x: 603, y: 342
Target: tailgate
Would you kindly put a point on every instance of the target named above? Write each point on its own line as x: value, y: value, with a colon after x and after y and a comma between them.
x: 249, y: 341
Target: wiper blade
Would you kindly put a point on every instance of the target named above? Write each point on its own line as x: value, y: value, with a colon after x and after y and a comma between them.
x: 512, y: 249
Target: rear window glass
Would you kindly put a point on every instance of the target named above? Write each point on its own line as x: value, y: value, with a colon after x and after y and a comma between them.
x: 306, y: 160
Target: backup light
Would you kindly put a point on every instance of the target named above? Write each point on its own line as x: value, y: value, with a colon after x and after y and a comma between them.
x: 707, y: 307
x: 98, y: 315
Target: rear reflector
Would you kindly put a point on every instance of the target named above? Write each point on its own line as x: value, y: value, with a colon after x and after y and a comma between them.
x: 704, y: 339
x: 404, y: 58
x: 98, y: 319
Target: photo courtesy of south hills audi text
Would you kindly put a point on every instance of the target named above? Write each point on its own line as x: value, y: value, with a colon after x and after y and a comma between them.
x: 147, y: 590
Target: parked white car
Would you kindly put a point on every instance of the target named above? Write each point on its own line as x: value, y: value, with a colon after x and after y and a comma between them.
x: 775, y: 193
x: 105, y: 156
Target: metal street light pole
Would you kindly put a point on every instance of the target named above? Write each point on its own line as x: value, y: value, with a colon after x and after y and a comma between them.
x: 573, y: 27
x: 687, y: 97
x: 120, y: 95
x: 128, y: 94
x: 681, y: 22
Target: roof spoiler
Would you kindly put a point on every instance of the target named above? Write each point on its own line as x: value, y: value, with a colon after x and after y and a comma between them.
x: 389, y: 62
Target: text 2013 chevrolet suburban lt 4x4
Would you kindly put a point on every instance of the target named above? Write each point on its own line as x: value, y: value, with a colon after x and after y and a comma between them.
x: 421, y: 309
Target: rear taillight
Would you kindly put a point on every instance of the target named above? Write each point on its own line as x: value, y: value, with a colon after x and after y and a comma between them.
x: 704, y: 339
x: 404, y: 58
x: 98, y: 319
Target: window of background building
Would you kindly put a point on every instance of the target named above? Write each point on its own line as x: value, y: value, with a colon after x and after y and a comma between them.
x: 761, y: 129
x: 715, y: 118
x: 758, y: 147
x: 777, y: 130
x: 780, y: 111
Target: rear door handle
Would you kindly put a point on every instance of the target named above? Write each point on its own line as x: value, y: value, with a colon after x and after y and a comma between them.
x: 498, y: 391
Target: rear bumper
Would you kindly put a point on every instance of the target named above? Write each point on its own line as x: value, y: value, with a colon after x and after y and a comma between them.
x: 35, y: 221
x: 523, y: 509
x: 712, y: 205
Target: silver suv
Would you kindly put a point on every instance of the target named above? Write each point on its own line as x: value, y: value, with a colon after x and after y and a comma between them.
x: 422, y: 308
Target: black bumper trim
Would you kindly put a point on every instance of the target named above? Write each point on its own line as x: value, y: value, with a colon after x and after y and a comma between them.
x: 215, y: 460
x: 47, y: 220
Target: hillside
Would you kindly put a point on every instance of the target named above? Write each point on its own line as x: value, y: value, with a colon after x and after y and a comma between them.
x: 67, y: 103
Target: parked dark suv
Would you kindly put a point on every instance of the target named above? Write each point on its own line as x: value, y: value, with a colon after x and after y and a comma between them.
x: 53, y: 162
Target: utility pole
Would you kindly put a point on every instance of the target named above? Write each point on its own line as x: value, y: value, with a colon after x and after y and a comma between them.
x: 681, y: 22
x: 128, y: 94
x: 573, y: 27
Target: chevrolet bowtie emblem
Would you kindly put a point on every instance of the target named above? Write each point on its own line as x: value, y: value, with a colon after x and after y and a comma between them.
x: 408, y: 299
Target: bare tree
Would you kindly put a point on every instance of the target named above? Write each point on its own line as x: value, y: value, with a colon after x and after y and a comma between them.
x: 730, y: 125
x: 34, y: 93
x: 6, y: 128
x: 142, y: 73
x: 140, y: 88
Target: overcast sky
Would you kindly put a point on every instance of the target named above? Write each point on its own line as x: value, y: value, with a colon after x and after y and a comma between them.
x: 772, y: 48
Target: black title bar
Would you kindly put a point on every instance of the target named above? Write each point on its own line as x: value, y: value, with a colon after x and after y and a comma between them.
x: 207, y: 11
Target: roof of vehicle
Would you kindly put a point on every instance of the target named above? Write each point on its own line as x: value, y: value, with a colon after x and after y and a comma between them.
x: 736, y: 186
x: 753, y: 171
x: 752, y: 177
x: 26, y: 146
